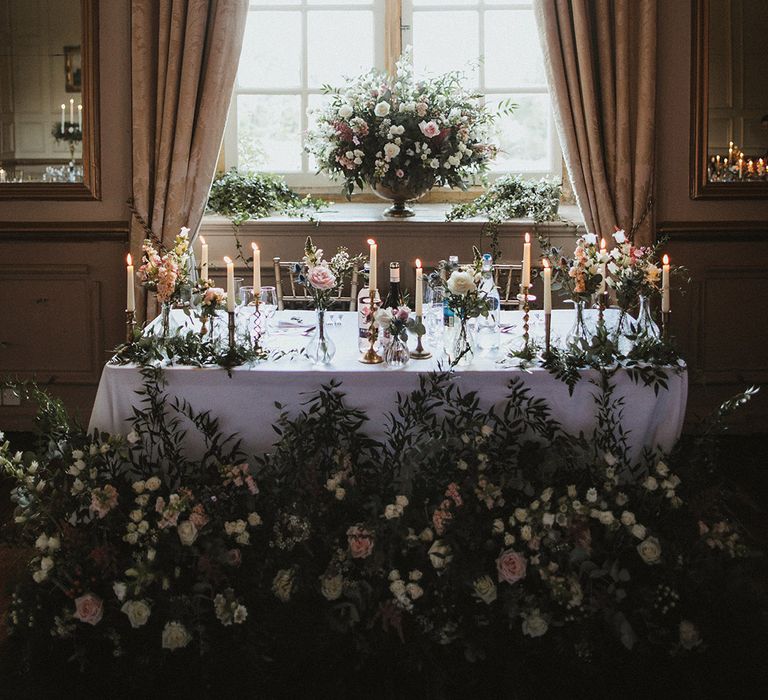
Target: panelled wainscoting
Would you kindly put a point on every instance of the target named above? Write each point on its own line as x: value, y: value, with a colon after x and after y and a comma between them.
x: 62, y: 286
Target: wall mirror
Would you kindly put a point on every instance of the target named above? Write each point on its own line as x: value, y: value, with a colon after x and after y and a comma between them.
x: 49, y: 141
x: 729, y: 147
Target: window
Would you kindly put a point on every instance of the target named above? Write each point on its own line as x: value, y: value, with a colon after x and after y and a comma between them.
x: 294, y: 47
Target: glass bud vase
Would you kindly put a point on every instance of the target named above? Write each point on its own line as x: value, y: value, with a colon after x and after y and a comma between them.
x: 621, y: 332
x: 462, y: 349
x: 580, y: 333
x: 321, y: 349
x: 646, y: 326
x: 165, y: 319
x: 396, y: 353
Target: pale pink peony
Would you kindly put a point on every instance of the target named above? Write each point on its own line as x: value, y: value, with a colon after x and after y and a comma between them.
x: 430, y: 129
x: 89, y: 609
x: 360, y: 542
x: 103, y: 500
x: 511, y: 566
x: 321, y: 277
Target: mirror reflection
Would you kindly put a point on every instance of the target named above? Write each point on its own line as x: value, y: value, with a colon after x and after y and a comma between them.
x: 738, y: 98
x: 41, y: 112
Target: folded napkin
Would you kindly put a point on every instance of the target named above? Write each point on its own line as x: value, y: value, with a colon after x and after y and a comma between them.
x: 295, y: 323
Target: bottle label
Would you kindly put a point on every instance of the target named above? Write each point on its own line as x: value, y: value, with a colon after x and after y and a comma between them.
x: 394, y: 274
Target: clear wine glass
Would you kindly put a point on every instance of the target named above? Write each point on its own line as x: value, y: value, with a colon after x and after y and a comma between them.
x: 433, y: 320
x: 268, y: 306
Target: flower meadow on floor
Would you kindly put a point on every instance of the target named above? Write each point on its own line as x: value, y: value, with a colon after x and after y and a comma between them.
x: 463, y: 530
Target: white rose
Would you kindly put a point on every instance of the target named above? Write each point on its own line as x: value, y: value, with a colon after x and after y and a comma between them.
x: 591, y: 496
x: 498, y: 526
x: 132, y: 437
x: 662, y: 469
x: 382, y: 109
x: 651, y: 484
x: 415, y: 575
x: 606, y: 517
x: 46, y: 564
x: 39, y: 576
x: 331, y: 586
x: 628, y: 518
x: 414, y: 590
x: 461, y: 282
x: 639, y: 531
x: 650, y: 550
x: 152, y: 484
x: 434, y: 163
x: 187, y: 532
x: 485, y: 589
x: 392, y: 511
x: 383, y: 317
x: 345, y: 111
x: 254, y: 519
x: 534, y: 625
x: 175, y: 636
x: 689, y: 635
x: 120, y: 590
x: 42, y: 542
x: 397, y: 588
x: 391, y: 150
x: 620, y: 237
x: 137, y: 611
x: 426, y: 535
x: 340, y: 493
x: 53, y: 543
x: 440, y: 554
x: 402, y: 501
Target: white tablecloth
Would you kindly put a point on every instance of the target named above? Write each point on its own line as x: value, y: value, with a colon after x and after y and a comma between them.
x: 245, y: 402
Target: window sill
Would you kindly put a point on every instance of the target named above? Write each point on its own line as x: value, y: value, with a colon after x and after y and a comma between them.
x: 351, y: 214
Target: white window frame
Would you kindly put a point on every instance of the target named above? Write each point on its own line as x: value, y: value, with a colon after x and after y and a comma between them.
x: 481, y: 7
x: 305, y: 178
x: 393, y: 23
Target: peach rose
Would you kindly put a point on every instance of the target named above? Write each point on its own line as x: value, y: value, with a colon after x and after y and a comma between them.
x: 360, y: 542
x: 321, y: 277
x: 89, y: 609
x: 511, y: 566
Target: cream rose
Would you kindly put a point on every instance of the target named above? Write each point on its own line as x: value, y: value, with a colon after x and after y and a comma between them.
x: 282, y: 585
x: 89, y: 609
x: 187, y: 532
x: 153, y: 483
x: 382, y: 109
x: 391, y: 150
x: 650, y: 550
x: 689, y: 635
x: 440, y: 554
x: 460, y: 282
x: 485, y: 589
x: 511, y: 566
x: 534, y: 625
x: 345, y: 111
x: 331, y: 586
x: 137, y: 611
x: 175, y: 636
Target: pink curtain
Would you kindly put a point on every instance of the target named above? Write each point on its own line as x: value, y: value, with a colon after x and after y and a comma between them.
x: 184, y: 61
x: 600, y: 58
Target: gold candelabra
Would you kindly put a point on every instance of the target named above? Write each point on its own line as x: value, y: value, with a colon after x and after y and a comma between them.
x: 370, y: 356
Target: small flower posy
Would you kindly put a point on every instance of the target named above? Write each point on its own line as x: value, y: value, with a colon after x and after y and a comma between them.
x: 166, y: 272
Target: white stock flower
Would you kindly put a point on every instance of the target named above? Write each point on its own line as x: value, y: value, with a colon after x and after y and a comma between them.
x: 620, y: 237
x: 175, y: 636
x: 137, y: 612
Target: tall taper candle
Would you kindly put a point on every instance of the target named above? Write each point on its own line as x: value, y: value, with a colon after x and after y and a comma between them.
x: 419, y: 293
x: 63, y: 108
x: 203, y: 259
x: 665, y: 284
x: 373, y: 258
x: 72, y: 110
x: 526, y: 275
x: 80, y: 117
x: 230, y: 284
x: 256, y: 269
x: 547, y: 286
x: 130, y: 304
x: 603, y: 268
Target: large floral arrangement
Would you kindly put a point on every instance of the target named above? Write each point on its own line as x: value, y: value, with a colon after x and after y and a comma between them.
x: 402, y: 133
x: 466, y: 530
x: 632, y: 270
x: 167, y: 272
x: 324, y: 279
x: 579, y: 276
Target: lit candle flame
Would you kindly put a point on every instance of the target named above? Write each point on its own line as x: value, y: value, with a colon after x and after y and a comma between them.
x: 527, y: 237
x: 254, y: 246
x: 418, y: 262
x: 202, y: 240
x: 665, y: 259
x: 602, y: 244
x: 371, y: 241
x: 128, y: 259
x: 227, y: 260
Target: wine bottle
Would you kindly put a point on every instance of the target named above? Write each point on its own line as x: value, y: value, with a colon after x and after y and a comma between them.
x: 363, y: 313
x: 395, y: 295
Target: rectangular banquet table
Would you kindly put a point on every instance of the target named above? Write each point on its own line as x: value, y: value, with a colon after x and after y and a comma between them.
x: 245, y: 402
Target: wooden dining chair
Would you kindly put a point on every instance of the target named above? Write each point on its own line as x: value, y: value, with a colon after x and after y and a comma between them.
x: 290, y: 292
x: 507, y: 278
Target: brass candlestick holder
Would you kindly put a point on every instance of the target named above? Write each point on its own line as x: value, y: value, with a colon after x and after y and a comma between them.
x: 420, y: 353
x: 370, y: 356
x: 231, y: 318
x: 525, y: 297
x: 130, y: 325
x: 256, y: 303
x: 602, y: 298
x: 547, y: 331
x: 665, y: 325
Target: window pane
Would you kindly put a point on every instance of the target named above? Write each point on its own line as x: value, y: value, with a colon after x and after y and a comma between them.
x: 523, y: 136
x: 339, y: 44
x: 446, y: 41
x: 269, y: 132
x: 271, y: 54
x: 512, y: 52
x: 314, y: 102
x: 341, y: 2
x: 427, y: 3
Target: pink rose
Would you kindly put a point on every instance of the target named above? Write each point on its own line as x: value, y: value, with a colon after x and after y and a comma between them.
x: 399, y: 173
x: 103, y: 500
x: 198, y: 516
x: 430, y: 129
x: 320, y: 277
x: 360, y: 542
x: 234, y: 557
x: 402, y: 313
x: 511, y: 566
x: 89, y: 609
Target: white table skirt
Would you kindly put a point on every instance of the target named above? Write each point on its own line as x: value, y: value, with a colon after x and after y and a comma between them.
x: 245, y: 402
